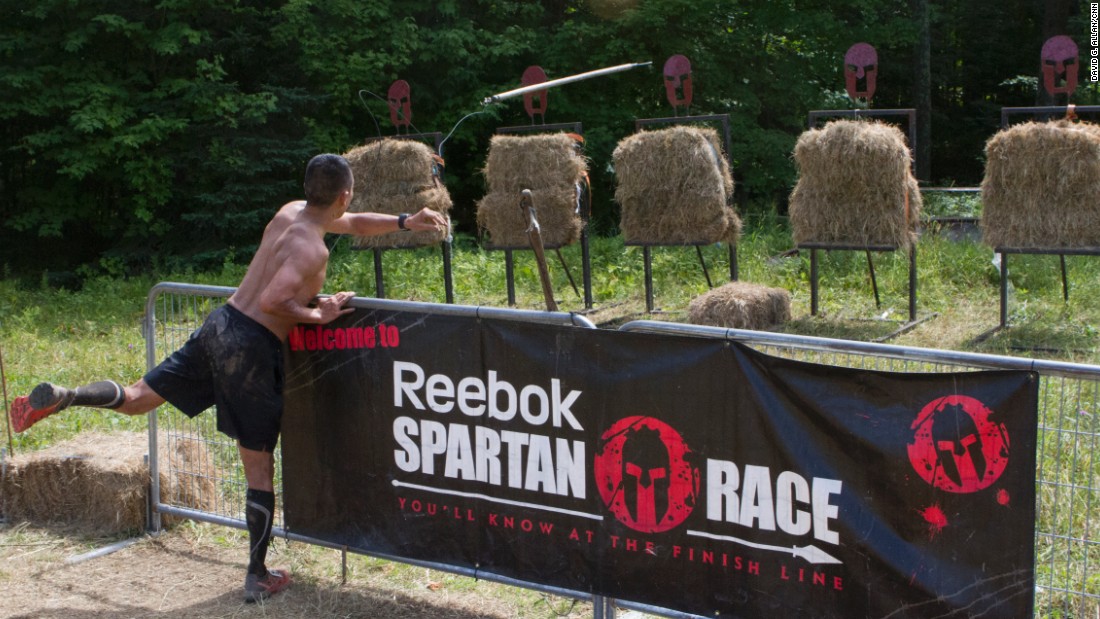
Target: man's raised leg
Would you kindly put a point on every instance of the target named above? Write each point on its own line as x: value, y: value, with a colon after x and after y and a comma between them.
x: 48, y: 398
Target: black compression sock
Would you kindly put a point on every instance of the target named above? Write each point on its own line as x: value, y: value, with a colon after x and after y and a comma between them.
x: 259, y: 511
x: 102, y: 394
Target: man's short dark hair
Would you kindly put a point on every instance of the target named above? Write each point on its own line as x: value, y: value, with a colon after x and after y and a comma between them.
x: 327, y: 176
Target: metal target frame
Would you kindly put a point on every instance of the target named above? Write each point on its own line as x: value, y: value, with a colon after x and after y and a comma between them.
x: 1046, y: 113
x: 910, y: 114
x: 585, y: 214
x: 647, y: 248
x: 446, y: 246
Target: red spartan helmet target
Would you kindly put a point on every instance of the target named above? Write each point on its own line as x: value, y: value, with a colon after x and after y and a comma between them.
x: 958, y: 446
x: 534, y: 102
x: 1060, y: 65
x: 644, y: 475
x: 400, y: 104
x: 678, y: 81
x: 860, y: 64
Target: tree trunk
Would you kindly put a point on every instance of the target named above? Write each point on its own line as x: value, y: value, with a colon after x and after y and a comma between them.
x: 922, y: 89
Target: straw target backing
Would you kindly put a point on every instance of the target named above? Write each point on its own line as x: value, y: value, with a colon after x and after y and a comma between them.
x: 855, y: 186
x: 552, y: 167
x: 1041, y: 186
x: 392, y: 177
x: 674, y: 187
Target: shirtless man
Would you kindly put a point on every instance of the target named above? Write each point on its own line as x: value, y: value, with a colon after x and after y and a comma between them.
x: 234, y: 361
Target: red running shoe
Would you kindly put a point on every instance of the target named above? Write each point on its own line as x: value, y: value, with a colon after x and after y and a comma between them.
x: 259, y: 588
x: 23, y: 415
x: 45, y: 400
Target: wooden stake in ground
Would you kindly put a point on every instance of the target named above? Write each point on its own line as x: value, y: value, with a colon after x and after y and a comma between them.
x: 7, y: 413
x: 534, y: 235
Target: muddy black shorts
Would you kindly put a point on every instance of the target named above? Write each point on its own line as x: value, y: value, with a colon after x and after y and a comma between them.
x: 234, y: 363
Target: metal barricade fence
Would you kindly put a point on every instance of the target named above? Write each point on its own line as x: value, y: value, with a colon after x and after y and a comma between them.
x: 172, y: 312
x: 1067, y: 477
x: 1067, y: 553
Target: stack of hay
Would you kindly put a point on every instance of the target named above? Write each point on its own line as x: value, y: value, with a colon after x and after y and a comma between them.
x: 855, y: 187
x: 99, y: 483
x: 397, y: 176
x: 674, y: 187
x: 1041, y: 186
x: 552, y: 167
x: 741, y: 305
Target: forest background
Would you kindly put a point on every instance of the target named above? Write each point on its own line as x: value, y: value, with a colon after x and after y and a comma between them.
x: 146, y: 135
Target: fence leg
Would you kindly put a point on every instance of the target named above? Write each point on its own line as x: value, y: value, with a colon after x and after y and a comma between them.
x: 603, y: 607
x: 153, y: 523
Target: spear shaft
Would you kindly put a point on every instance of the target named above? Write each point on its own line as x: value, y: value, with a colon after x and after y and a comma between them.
x: 562, y: 81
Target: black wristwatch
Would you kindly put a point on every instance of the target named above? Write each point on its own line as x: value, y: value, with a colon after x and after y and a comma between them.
x: 401, y: 221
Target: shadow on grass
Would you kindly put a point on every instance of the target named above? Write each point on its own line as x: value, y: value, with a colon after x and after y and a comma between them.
x: 143, y: 592
x: 1065, y: 340
x: 302, y: 601
x: 856, y: 329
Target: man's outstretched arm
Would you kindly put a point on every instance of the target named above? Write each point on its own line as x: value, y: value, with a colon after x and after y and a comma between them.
x: 373, y: 224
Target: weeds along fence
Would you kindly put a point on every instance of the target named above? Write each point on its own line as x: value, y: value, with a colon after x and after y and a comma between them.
x: 1067, y: 553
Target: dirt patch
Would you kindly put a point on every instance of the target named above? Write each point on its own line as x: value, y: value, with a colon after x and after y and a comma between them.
x: 198, y: 570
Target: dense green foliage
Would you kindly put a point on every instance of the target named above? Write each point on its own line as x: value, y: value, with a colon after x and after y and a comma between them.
x: 146, y: 133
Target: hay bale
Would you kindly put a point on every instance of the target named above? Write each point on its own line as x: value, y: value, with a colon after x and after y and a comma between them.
x: 741, y: 305
x: 393, y: 164
x: 556, y: 208
x: 552, y: 167
x: 855, y: 186
x: 540, y: 161
x: 392, y: 177
x: 674, y: 188
x: 98, y: 483
x: 436, y: 199
x: 1041, y: 186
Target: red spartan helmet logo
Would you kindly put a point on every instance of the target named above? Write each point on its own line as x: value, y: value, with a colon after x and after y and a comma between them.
x: 400, y: 104
x: 644, y: 475
x: 1059, y: 65
x: 860, y: 63
x: 678, y: 81
x: 534, y: 102
x: 958, y: 446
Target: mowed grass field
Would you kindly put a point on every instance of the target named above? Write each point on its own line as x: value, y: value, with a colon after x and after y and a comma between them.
x: 76, y: 336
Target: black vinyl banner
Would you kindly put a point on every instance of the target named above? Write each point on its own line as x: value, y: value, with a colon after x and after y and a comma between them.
x: 691, y: 474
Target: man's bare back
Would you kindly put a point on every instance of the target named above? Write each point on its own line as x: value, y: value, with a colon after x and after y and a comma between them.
x: 280, y: 287
x: 288, y: 271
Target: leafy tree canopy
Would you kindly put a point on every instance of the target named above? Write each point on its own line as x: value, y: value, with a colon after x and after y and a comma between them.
x: 146, y: 132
